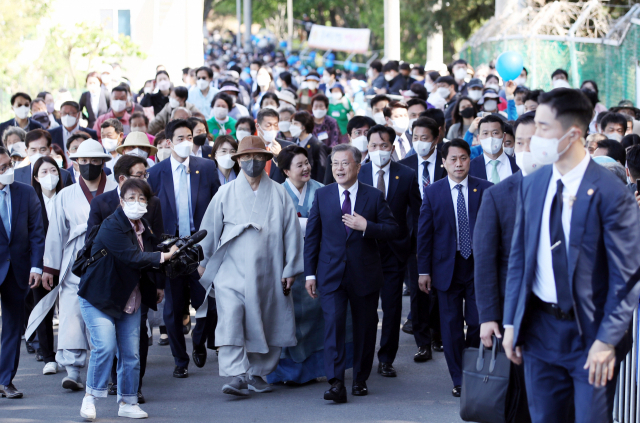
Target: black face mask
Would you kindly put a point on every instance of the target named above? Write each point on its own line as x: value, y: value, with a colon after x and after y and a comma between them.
x: 253, y: 167
x: 200, y: 139
x: 90, y: 172
x: 467, y: 113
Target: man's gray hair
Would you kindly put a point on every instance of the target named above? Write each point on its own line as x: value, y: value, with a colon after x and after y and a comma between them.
x: 181, y: 108
x: 617, y: 170
x: 357, y: 155
x: 13, y: 130
x: 113, y: 123
x: 287, y: 109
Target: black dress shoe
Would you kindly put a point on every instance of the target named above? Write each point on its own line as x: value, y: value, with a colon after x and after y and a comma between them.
x: 407, y: 327
x: 39, y: 356
x: 423, y: 354
x: 163, y: 341
x: 180, y: 372
x: 187, y: 328
x: 437, y: 346
x: 387, y: 370
x: 30, y: 348
x: 199, y: 356
x: 337, y: 393
x: 456, y: 391
x: 359, y: 389
x: 10, y: 391
x: 141, y: 399
x: 113, y: 389
x: 406, y: 292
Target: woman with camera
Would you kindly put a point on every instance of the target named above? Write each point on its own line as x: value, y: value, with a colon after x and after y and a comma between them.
x: 111, y: 292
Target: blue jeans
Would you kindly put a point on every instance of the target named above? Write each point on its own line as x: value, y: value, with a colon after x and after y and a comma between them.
x: 108, y: 336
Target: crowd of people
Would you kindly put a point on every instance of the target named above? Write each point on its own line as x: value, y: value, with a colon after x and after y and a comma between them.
x: 324, y: 194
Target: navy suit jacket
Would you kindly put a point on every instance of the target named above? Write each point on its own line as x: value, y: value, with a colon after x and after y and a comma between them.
x: 56, y: 135
x: 437, y: 233
x: 492, y: 246
x: 12, y: 122
x: 479, y: 168
x: 203, y: 175
x: 330, y: 255
x: 276, y: 174
x: 23, y: 174
x: 602, y: 259
x: 412, y: 162
x: 25, y: 248
x: 403, y: 195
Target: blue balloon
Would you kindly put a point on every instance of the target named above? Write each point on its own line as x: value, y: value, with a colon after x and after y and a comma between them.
x: 331, y: 56
x: 354, y: 67
x: 304, y: 72
x: 329, y: 63
x: 283, y: 44
x: 347, y: 64
x: 312, y: 55
x: 320, y: 70
x: 509, y: 65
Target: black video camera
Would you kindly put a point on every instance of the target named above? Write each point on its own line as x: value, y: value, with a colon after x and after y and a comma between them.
x: 188, y: 256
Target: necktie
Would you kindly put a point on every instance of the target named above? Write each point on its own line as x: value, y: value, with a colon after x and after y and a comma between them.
x: 495, y: 177
x: 426, y: 179
x: 381, y: 186
x: 464, y: 235
x: 559, y: 251
x: 403, y: 152
x: 4, y: 213
x: 184, y: 225
x: 346, y: 209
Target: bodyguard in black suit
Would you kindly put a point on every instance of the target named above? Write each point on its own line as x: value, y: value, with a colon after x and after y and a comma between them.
x: 70, y: 118
x: 38, y: 143
x: 21, y: 103
x: 400, y: 187
x: 494, y: 165
x: 346, y: 223
x: 445, y: 255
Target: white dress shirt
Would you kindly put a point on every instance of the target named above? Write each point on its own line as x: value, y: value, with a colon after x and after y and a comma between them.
x: 386, y: 169
x: 504, y: 166
x: 431, y: 167
x: 402, y: 139
x: 454, y: 197
x: 49, y: 203
x: 176, y: 185
x: 66, y: 134
x: 95, y: 103
x: 198, y: 153
x: 544, y: 286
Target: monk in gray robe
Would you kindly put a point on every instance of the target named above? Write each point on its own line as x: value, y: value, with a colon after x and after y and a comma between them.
x: 252, y: 254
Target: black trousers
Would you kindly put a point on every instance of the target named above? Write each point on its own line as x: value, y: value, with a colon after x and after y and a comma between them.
x: 425, y: 312
x: 391, y: 301
x: 45, y: 330
x: 12, y: 300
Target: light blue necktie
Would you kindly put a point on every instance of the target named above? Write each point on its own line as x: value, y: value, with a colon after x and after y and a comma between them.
x: 495, y: 176
x: 4, y: 213
x: 184, y: 225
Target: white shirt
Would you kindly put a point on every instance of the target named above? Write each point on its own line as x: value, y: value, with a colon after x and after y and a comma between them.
x: 454, y: 197
x: 402, y: 139
x: 176, y: 184
x: 197, y: 153
x: 544, y: 286
x: 95, y: 103
x: 386, y: 169
x: 504, y: 167
x: 300, y: 195
x: 66, y: 134
x: 49, y: 203
x: 431, y: 167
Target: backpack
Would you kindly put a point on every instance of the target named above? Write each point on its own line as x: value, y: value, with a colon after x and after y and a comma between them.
x: 84, y: 258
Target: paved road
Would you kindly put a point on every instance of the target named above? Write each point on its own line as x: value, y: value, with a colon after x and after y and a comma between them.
x: 420, y: 393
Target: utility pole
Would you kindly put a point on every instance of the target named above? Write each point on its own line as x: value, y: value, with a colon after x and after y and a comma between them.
x: 239, y: 18
x: 290, y: 24
x: 392, y: 29
x: 247, y: 26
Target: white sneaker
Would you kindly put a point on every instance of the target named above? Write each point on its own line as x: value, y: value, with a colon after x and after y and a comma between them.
x: 257, y: 384
x: 133, y: 411
x: 88, y: 409
x: 50, y: 368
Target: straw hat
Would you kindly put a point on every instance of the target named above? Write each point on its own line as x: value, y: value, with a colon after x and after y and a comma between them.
x: 91, y: 149
x: 137, y: 139
x: 252, y: 144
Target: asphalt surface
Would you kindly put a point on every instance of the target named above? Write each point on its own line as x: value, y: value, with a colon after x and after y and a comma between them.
x: 420, y: 393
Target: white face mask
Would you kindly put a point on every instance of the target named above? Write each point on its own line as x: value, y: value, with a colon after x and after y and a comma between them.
x: 388, y: 77
x: 118, y: 105
x: 225, y: 162
x: 526, y: 162
x: 109, y: 144
x: 34, y: 157
x: 49, y: 182
x: 494, y: 87
x: 269, y: 136
x: 380, y: 158
x: 163, y: 154
x: 138, y: 152
x: 263, y: 80
x: 202, y: 84
x: 138, y: 129
x: 360, y: 143
x: 520, y: 81
x: 520, y: 109
x: 475, y: 95
x: 164, y: 85
x: 336, y: 96
x: 220, y: 113
x: 319, y: 113
x: 379, y: 118
x: 147, y: 90
x: 133, y: 209
x: 491, y: 145
x: 7, y: 177
x: 253, y: 73
x: 422, y: 147
x: 21, y: 112
x: 545, y: 150
x: 443, y: 92
x: 183, y: 149
x: 173, y: 103
x: 490, y: 105
x: 561, y: 83
x: 240, y: 134
x: 326, y: 78
x: 429, y: 86
x: 509, y: 151
x: 369, y: 73
x: 294, y: 130
x: 68, y: 121
x: 312, y: 85
x: 400, y: 125
x: 460, y: 73
x: 614, y: 136
x: 284, y: 126
x: 410, y: 127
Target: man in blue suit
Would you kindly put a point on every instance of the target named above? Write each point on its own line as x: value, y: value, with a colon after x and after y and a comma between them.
x: 21, y: 104
x: 400, y: 187
x: 346, y: 222
x: 70, y: 118
x: 424, y: 319
x: 38, y: 144
x: 185, y: 185
x: 21, y: 252
x: 572, y: 284
x: 494, y: 165
x: 445, y: 255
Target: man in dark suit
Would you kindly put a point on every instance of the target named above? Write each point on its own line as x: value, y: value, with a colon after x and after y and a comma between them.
x: 424, y: 319
x: 38, y: 144
x: 267, y: 127
x: 494, y: 165
x: 70, y: 118
x: 95, y: 88
x: 21, y: 104
x: 185, y: 185
x: 102, y: 207
x: 400, y: 187
x: 572, y: 272
x: 346, y: 222
x: 445, y: 255
x: 21, y: 253
x: 357, y: 129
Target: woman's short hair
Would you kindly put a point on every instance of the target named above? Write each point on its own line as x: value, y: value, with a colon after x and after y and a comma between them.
x: 248, y: 120
x: 137, y: 185
x: 287, y: 154
x: 320, y: 97
x: 305, y: 119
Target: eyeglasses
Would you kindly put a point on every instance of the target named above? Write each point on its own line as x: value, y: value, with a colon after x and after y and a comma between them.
x: 255, y: 157
x: 338, y: 165
x: 93, y: 161
x: 140, y: 176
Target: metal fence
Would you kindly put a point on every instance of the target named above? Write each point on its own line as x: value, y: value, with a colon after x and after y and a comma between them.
x: 626, y: 407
